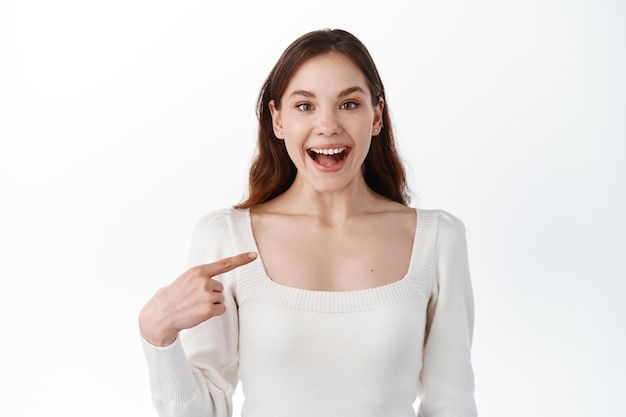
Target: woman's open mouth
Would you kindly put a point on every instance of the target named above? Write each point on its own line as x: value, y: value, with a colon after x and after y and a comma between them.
x: 329, y: 157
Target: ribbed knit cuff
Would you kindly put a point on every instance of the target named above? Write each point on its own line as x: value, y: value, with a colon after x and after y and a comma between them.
x: 171, y: 380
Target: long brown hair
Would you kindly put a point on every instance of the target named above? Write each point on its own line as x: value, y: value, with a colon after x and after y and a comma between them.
x: 272, y: 172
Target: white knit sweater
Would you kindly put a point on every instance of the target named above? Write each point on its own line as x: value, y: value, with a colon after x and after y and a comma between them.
x: 301, y: 353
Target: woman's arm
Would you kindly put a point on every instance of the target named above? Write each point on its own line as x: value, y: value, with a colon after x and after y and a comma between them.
x: 447, y: 379
x: 194, y: 320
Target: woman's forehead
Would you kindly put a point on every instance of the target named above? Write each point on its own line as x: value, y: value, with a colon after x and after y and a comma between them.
x: 327, y: 73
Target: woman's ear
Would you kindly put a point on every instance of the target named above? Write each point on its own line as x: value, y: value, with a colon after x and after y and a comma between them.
x: 276, y: 123
x: 377, y: 126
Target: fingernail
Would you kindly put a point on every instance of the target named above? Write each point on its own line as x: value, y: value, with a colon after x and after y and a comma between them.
x: 252, y: 255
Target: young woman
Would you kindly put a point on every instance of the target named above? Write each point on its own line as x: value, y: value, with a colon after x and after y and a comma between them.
x: 323, y: 292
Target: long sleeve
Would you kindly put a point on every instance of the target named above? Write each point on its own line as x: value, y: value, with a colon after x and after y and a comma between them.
x: 197, y: 375
x: 447, y: 379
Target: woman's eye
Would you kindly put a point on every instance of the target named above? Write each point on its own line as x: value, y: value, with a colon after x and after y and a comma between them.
x: 349, y: 105
x: 304, y: 107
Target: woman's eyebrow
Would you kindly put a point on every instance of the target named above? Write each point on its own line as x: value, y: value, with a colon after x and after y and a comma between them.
x: 351, y: 90
x: 342, y: 93
x: 302, y: 93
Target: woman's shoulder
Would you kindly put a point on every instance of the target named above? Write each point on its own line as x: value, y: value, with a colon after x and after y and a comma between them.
x: 444, y: 218
x: 447, y: 230
x: 212, y: 236
x: 392, y: 210
x: 219, y: 219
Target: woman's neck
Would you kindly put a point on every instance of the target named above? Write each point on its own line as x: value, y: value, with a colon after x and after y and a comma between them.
x: 332, y: 208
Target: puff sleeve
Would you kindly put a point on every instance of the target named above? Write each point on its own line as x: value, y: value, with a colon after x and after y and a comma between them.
x: 197, y: 375
x: 447, y: 379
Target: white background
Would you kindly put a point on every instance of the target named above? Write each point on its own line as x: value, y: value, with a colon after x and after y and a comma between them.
x: 123, y: 122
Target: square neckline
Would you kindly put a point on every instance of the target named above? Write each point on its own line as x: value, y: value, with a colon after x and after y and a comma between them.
x: 400, y: 281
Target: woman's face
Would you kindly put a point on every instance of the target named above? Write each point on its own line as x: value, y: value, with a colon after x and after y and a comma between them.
x: 327, y: 121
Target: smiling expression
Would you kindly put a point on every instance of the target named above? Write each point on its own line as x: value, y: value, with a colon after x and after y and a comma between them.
x: 327, y: 121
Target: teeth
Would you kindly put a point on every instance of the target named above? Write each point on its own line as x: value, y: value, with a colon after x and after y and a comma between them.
x: 333, y: 151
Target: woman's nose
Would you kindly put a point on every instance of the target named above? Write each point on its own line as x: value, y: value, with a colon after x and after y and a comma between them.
x: 328, y: 123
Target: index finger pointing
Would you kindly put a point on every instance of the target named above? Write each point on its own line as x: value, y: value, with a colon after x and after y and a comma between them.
x: 228, y: 264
